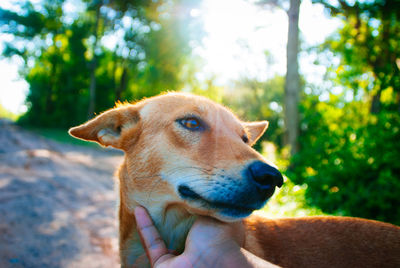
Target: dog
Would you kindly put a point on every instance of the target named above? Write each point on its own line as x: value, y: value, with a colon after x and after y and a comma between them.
x: 187, y: 156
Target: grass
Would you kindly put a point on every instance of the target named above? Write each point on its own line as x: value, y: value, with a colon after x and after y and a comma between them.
x: 289, y: 200
x: 60, y: 135
x: 7, y: 114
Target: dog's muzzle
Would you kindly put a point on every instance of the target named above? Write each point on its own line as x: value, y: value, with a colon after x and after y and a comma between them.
x: 238, y: 198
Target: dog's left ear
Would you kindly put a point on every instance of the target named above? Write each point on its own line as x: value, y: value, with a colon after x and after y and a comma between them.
x: 108, y: 128
x: 255, y: 130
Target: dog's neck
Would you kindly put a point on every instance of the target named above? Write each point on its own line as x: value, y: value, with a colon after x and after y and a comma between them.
x: 171, y: 221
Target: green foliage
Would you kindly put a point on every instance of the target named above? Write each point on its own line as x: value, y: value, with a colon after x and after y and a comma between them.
x: 209, y: 90
x: 256, y: 100
x: 349, y: 160
x: 369, y: 48
x: 58, y: 81
x: 64, y: 57
x: 349, y: 144
x: 289, y: 201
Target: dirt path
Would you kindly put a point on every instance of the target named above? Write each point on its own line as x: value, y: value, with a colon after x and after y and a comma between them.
x: 57, y: 202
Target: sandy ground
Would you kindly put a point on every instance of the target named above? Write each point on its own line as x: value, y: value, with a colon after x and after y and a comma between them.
x: 57, y: 202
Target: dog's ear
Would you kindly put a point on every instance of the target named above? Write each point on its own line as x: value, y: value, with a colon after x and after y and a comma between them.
x: 108, y: 127
x: 255, y: 130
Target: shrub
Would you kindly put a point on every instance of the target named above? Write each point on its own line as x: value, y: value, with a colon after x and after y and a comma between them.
x: 350, y: 159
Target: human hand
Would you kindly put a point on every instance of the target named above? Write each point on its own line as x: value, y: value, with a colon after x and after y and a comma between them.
x: 210, y: 243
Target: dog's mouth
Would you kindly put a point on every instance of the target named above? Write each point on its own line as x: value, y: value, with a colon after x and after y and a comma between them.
x: 230, y: 210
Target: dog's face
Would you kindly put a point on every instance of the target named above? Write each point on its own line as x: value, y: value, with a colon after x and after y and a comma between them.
x: 188, y: 152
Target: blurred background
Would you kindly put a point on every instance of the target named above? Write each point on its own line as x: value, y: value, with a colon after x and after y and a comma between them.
x: 325, y: 74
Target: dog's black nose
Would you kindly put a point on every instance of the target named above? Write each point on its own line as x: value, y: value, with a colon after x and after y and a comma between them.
x: 265, y: 175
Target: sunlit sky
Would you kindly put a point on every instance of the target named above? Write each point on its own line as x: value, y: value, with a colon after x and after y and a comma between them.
x: 237, y: 35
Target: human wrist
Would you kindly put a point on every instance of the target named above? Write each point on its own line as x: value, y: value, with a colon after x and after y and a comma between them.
x: 255, y: 261
x: 232, y: 256
x: 241, y: 258
x: 219, y: 255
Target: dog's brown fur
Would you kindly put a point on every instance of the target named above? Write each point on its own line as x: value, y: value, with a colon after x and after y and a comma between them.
x: 159, y: 155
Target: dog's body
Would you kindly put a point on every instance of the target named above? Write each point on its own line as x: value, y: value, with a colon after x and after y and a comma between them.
x: 187, y: 156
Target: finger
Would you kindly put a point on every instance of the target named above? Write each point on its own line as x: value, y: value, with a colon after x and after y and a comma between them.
x: 151, y: 239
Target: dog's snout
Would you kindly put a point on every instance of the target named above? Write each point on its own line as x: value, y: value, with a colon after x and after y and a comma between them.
x: 264, y: 175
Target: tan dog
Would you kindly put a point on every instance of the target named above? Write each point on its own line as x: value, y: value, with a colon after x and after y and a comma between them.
x: 187, y: 156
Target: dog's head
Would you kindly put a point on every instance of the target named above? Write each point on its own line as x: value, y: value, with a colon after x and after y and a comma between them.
x: 187, y: 151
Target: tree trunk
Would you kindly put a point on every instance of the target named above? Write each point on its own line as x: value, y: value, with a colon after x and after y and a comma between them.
x: 93, y: 67
x: 376, y: 103
x: 122, y: 84
x: 292, y: 85
x: 49, y: 108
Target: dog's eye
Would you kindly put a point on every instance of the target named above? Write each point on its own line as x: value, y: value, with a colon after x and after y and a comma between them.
x: 190, y: 123
x: 245, y: 138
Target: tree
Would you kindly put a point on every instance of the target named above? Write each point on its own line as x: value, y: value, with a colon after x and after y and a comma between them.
x: 258, y: 93
x: 350, y: 148
x: 66, y: 64
x: 292, y: 85
x: 292, y: 81
x: 368, y: 45
x: 96, y: 5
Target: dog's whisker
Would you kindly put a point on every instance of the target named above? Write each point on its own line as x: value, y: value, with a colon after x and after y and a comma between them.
x: 160, y: 180
x: 146, y: 177
x: 159, y: 175
x: 152, y: 189
x: 175, y: 170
